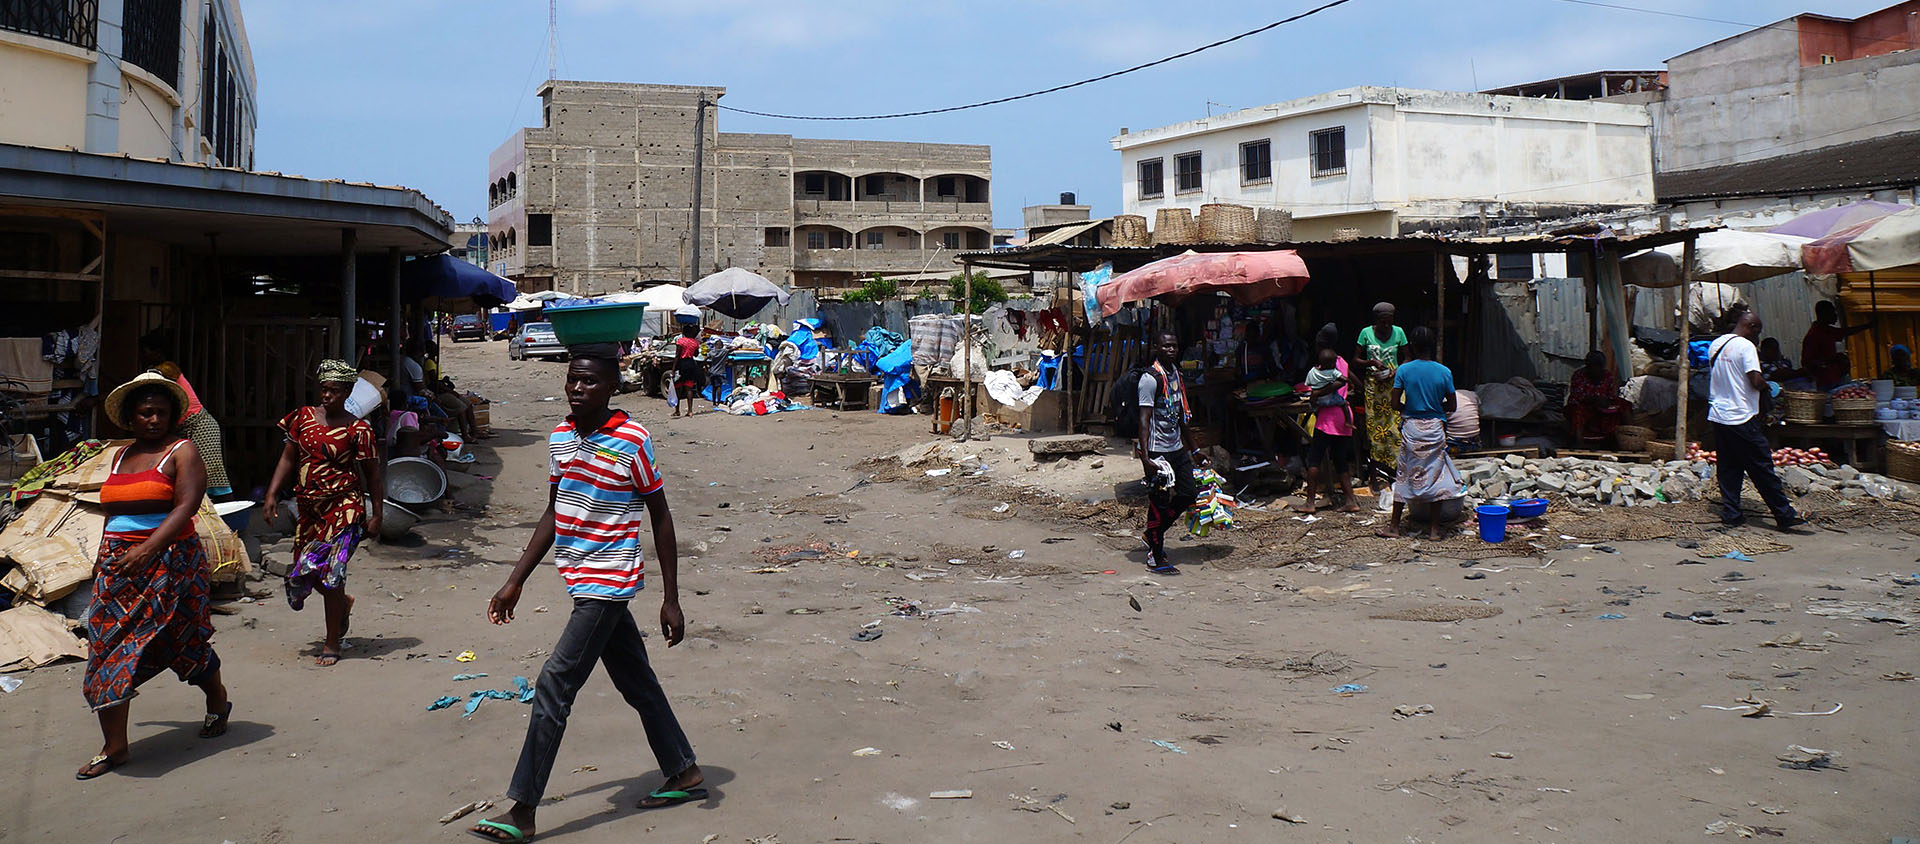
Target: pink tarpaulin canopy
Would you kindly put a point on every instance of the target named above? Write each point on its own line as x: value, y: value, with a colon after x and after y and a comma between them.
x: 1249, y: 277
x: 1827, y: 221
x: 1884, y: 243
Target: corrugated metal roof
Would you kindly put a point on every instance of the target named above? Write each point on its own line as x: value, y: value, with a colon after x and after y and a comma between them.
x: 1066, y: 234
x: 1053, y: 256
x: 1890, y: 161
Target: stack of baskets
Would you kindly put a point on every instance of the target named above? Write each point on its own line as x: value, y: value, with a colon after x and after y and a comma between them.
x: 1273, y: 225
x: 1130, y: 230
x: 1223, y: 223
x: 1903, y: 461
x: 1174, y: 225
x: 1804, y: 408
x: 1633, y: 437
x: 1854, y: 411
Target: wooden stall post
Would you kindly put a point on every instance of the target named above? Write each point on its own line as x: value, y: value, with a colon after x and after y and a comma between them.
x: 1683, y: 369
x: 1873, y: 302
x: 966, y: 350
x: 1439, y: 305
x: 349, y: 309
x: 393, y: 328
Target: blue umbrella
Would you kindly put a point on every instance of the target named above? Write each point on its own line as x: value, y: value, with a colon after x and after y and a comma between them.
x: 735, y: 292
x: 446, y: 277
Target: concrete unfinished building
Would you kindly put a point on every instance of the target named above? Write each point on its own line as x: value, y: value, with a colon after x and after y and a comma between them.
x: 599, y: 196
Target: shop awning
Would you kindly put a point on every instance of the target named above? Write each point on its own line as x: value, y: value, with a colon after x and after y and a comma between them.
x: 447, y: 278
x: 1725, y: 256
x: 1881, y: 244
x: 1249, y: 277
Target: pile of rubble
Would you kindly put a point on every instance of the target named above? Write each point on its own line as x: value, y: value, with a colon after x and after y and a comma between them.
x: 1633, y: 484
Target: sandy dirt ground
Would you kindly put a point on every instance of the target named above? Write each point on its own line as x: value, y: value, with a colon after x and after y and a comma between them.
x: 1077, y: 697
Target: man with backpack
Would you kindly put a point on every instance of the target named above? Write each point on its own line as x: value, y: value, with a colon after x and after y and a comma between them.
x: 1161, y: 397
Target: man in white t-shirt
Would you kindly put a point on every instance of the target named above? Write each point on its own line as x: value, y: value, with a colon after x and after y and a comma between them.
x: 1739, y: 427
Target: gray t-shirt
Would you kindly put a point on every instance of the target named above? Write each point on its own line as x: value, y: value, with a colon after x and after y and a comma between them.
x: 1168, y: 411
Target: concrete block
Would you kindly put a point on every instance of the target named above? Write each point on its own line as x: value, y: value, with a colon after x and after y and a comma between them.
x: 1066, y: 444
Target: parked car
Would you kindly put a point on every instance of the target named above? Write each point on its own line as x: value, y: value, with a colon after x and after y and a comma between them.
x: 468, y: 327
x: 535, y: 340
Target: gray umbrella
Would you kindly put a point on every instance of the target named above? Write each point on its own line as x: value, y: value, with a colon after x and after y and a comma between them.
x: 735, y: 292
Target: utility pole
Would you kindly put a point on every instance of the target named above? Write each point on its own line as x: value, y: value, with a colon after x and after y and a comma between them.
x: 699, y: 171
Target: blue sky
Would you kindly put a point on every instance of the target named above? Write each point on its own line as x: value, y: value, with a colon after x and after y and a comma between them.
x: 418, y: 92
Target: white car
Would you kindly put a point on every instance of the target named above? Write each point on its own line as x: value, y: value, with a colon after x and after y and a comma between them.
x: 535, y: 340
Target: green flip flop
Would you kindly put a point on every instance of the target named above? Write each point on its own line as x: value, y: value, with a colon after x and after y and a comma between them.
x: 492, y: 827
x: 674, y: 798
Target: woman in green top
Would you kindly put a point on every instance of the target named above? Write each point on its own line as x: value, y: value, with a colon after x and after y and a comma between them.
x: 1379, y: 347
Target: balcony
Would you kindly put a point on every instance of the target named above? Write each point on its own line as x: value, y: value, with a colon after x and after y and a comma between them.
x: 862, y: 213
x: 883, y: 261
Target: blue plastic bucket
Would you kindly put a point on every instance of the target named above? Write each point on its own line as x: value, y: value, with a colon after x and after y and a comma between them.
x: 1493, y: 522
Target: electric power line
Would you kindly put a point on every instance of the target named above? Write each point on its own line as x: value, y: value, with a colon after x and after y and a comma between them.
x: 1057, y: 88
x: 1750, y: 26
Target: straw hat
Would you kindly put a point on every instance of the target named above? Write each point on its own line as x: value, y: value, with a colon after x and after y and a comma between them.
x: 117, y: 399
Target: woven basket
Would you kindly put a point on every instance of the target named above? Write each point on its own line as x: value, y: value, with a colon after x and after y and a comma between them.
x: 1633, y: 437
x: 1223, y: 223
x: 1854, y: 411
x: 1174, y: 225
x: 1130, y: 230
x: 1273, y: 225
x: 1903, y: 461
x: 1805, y: 408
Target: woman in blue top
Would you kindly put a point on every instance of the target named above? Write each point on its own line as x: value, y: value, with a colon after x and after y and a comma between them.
x: 1423, y: 393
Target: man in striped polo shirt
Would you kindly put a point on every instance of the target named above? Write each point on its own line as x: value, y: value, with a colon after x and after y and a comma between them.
x: 603, y: 481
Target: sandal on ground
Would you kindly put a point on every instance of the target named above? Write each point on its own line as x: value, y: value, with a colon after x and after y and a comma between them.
x: 215, y: 726
x: 672, y: 798
x: 326, y: 660
x: 497, y: 831
x: 98, y: 766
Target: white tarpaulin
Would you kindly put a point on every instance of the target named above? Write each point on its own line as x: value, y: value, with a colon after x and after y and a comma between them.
x: 1723, y: 255
x: 1005, y: 388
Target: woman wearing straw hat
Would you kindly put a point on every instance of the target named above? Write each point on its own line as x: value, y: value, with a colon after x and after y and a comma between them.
x: 150, y: 610
x: 339, y: 470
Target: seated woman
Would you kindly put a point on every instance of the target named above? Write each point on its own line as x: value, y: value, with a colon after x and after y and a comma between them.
x: 1902, y: 374
x: 1779, y: 369
x: 1594, y: 407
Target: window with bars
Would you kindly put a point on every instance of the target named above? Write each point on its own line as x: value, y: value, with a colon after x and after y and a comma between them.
x: 150, y: 38
x: 1329, y: 149
x: 816, y: 240
x: 1186, y: 169
x: 75, y: 22
x: 1256, y: 161
x: 1153, y: 180
x: 876, y: 240
x: 950, y: 240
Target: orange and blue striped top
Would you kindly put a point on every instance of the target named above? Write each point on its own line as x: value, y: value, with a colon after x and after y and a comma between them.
x: 150, y: 491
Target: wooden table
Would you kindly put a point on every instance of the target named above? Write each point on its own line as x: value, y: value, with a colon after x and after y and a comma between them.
x: 1850, y: 435
x: 848, y: 390
x: 1267, y: 418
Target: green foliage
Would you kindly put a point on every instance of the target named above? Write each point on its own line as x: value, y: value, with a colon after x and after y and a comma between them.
x: 876, y: 289
x: 986, y: 291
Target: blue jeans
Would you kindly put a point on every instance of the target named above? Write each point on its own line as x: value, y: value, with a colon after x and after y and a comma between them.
x: 604, y: 632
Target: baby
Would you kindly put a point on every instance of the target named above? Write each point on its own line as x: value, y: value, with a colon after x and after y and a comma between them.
x: 1325, y: 380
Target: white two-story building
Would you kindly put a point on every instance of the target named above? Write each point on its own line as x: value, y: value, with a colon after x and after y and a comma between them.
x: 1373, y: 161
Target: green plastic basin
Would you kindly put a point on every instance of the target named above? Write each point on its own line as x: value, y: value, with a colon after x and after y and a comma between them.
x: 608, y: 323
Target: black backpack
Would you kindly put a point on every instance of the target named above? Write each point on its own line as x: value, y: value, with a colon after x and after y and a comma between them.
x: 1124, y: 401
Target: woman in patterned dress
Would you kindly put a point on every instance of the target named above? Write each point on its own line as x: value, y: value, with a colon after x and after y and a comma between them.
x: 1379, y: 348
x: 338, y: 471
x: 150, y: 609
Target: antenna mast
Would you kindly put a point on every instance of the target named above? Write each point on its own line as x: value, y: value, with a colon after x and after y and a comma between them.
x: 553, y: 35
